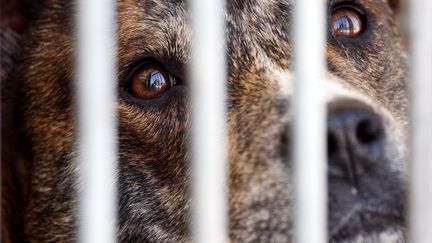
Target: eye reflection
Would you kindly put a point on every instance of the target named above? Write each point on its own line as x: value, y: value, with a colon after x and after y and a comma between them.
x: 346, y: 22
x: 154, y: 81
x: 150, y: 82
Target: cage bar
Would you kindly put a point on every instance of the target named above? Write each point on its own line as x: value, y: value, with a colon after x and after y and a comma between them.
x: 96, y: 106
x: 208, y: 76
x: 310, y: 164
x: 421, y: 120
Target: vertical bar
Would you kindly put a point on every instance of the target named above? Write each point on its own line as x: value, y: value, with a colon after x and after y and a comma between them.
x: 421, y: 121
x: 208, y: 121
x: 309, y: 122
x: 97, y: 120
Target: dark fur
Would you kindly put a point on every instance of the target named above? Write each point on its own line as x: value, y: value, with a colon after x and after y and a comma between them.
x: 38, y: 181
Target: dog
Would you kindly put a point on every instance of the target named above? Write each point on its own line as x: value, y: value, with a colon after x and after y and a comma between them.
x: 367, y: 121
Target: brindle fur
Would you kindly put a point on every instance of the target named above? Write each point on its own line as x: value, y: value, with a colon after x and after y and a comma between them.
x: 39, y: 170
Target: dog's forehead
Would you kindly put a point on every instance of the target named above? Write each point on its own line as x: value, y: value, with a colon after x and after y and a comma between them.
x: 162, y: 28
x: 263, y: 26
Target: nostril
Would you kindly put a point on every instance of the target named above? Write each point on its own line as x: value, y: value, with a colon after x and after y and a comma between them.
x: 368, y: 131
x: 355, y: 139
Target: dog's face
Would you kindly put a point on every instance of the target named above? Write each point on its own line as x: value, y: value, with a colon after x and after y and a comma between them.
x: 366, y: 121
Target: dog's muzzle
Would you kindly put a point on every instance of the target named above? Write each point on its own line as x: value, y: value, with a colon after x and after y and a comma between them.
x: 366, y: 186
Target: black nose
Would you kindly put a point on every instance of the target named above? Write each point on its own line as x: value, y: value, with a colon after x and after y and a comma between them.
x: 355, y: 142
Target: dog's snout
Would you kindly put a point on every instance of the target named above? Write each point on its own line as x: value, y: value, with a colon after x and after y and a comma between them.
x: 355, y: 141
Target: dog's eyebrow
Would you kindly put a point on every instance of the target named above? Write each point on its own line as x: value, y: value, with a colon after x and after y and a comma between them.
x: 135, y: 52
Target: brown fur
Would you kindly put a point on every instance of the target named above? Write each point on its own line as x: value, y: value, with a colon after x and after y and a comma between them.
x: 153, y: 136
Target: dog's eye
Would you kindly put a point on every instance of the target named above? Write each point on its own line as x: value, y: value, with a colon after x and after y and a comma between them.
x: 346, y: 22
x: 149, y: 82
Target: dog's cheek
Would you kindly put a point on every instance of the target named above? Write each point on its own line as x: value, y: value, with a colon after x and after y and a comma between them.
x: 154, y: 171
x: 50, y: 131
x: 46, y: 113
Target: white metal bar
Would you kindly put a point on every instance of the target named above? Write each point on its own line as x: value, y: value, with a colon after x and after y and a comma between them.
x: 309, y: 122
x: 97, y: 120
x: 208, y: 116
x: 421, y: 121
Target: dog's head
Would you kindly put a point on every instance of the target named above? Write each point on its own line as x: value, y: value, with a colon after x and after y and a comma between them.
x: 366, y: 121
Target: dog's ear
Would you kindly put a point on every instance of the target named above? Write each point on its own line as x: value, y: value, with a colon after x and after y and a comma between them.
x: 16, y: 14
x: 12, y: 14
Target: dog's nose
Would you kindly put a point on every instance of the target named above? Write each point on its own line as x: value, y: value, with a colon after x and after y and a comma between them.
x: 355, y: 142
